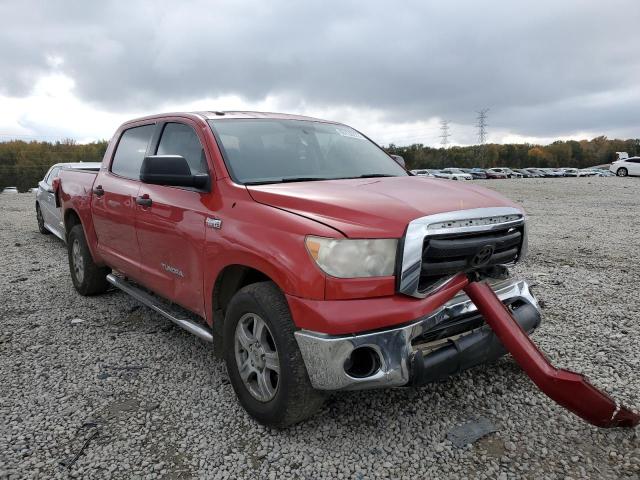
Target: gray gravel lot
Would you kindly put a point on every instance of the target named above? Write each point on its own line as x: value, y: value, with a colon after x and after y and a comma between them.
x: 154, y: 403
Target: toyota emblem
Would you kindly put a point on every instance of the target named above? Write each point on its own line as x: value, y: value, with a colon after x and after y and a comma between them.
x: 482, y: 256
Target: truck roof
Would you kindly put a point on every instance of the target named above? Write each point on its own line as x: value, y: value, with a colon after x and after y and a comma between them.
x: 230, y: 114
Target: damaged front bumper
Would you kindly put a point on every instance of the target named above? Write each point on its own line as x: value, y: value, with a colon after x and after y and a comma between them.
x: 409, y: 354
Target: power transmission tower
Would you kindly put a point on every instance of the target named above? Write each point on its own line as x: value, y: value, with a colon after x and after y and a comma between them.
x: 482, y: 133
x: 444, y: 136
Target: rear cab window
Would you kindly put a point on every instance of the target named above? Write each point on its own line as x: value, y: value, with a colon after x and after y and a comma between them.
x: 131, y: 151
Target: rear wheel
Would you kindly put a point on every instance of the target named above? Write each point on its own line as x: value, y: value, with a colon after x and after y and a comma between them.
x: 87, y: 277
x: 622, y: 172
x: 40, y: 219
x: 264, y: 363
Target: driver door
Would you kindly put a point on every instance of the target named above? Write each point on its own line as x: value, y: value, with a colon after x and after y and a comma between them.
x: 171, y: 230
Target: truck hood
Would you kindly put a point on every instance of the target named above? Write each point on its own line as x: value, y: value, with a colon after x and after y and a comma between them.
x: 375, y: 207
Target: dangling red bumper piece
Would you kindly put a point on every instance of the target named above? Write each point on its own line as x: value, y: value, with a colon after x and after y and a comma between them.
x: 571, y: 390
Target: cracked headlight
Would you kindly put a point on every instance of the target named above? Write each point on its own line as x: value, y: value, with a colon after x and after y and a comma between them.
x: 346, y: 258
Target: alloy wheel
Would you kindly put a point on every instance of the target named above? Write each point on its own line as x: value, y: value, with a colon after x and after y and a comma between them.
x: 78, y: 261
x: 257, y: 357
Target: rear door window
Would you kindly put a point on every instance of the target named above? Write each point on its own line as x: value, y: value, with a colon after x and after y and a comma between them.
x: 131, y: 151
x: 181, y: 139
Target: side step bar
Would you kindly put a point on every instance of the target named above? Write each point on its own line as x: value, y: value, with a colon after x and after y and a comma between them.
x: 155, y: 304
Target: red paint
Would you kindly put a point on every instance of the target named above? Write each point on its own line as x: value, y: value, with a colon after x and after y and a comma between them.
x: 375, y: 207
x: 352, y: 316
x: 571, y: 390
x: 262, y: 228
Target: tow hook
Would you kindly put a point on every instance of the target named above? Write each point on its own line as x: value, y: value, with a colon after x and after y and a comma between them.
x: 569, y: 389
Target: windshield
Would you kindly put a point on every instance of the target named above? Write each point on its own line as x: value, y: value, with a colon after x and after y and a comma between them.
x: 271, y: 151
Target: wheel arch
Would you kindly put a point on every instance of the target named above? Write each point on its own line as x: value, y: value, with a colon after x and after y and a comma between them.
x: 230, y: 280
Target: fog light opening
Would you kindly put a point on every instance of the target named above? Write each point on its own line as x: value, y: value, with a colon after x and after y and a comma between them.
x: 362, y: 363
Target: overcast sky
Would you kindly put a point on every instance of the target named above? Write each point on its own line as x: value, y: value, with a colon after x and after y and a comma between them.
x: 547, y: 70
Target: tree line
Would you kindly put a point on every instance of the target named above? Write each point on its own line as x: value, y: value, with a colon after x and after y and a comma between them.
x: 23, y: 164
x: 571, y: 153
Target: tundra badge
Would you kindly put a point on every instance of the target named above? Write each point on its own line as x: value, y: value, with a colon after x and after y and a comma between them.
x: 214, y: 223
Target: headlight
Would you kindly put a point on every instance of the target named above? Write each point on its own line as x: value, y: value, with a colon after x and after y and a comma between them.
x: 344, y: 258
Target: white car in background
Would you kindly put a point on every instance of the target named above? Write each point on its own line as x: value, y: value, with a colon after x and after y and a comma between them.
x: 10, y: 190
x: 421, y: 173
x: 457, y: 174
x: 626, y: 166
x: 506, y: 171
x: 47, y: 213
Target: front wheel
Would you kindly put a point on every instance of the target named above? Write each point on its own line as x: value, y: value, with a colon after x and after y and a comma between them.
x: 87, y: 277
x: 40, y: 219
x: 264, y: 363
x: 622, y: 172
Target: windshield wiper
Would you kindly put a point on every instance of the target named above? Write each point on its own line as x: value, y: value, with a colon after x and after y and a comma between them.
x: 303, y: 179
x: 286, y: 180
x: 375, y: 175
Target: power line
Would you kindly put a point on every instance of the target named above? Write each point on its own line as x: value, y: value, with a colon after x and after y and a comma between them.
x: 482, y: 134
x: 444, y: 133
x: 444, y: 139
x: 482, y: 125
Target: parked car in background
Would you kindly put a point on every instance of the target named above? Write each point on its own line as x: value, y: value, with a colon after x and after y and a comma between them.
x: 626, y: 166
x: 440, y: 174
x: 601, y: 172
x: 512, y: 174
x: 495, y: 174
x: 457, y: 174
x: 552, y: 173
x: 47, y: 213
x: 505, y: 172
x: 10, y: 190
x: 570, y: 172
x: 536, y: 171
x: 525, y: 173
x: 421, y: 173
x: 476, y: 173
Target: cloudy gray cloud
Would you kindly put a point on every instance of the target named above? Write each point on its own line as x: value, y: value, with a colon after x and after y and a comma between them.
x: 546, y: 68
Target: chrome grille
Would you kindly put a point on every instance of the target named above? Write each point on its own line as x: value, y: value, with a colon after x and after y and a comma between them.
x: 437, y: 247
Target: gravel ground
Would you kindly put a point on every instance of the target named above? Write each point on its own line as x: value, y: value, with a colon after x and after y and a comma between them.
x: 149, y: 400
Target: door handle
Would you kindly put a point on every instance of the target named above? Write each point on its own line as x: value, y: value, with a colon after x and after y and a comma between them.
x: 144, y: 200
x: 98, y: 191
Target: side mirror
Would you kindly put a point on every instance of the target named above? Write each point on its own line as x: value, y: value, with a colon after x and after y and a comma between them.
x: 399, y: 160
x: 172, y: 170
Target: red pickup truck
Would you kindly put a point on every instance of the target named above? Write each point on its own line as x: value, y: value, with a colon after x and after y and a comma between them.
x: 309, y: 257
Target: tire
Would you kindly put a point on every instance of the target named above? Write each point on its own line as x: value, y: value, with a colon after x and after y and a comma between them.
x: 88, y: 278
x: 622, y: 172
x: 40, y: 218
x: 293, y: 399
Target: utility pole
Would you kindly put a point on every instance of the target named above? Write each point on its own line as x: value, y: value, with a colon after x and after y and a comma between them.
x: 482, y: 133
x: 444, y: 138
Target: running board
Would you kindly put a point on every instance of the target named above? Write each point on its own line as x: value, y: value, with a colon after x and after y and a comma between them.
x: 158, y: 306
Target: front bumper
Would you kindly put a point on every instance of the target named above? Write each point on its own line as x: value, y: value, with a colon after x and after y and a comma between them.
x: 401, y: 362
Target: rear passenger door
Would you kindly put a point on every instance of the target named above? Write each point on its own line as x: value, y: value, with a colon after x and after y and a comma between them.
x: 114, y: 201
x: 171, y: 231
